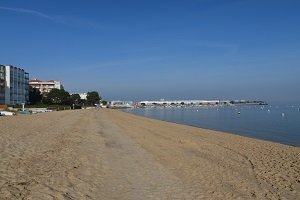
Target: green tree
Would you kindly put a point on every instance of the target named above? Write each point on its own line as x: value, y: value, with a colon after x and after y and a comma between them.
x: 76, y: 99
x: 104, y: 102
x: 66, y: 98
x: 93, y: 98
x: 35, y: 95
x: 56, y: 96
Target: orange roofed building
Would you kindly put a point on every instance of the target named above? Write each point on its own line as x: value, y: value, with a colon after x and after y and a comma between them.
x: 45, y: 86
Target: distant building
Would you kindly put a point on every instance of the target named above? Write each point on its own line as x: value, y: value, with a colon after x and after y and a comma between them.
x: 83, y: 95
x: 45, y: 86
x: 14, y: 88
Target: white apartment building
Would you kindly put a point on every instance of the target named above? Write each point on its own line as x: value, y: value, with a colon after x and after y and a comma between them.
x: 14, y: 88
x: 45, y: 86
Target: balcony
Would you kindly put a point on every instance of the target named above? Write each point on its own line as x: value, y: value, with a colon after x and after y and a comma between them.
x: 26, y: 75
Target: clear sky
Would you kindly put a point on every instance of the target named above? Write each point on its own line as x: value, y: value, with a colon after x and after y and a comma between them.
x: 153, y: 49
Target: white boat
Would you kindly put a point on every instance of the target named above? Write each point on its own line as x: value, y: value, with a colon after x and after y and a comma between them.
x: 6, y: 113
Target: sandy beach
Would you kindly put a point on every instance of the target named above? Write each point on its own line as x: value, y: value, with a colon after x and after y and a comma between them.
x: 108, y: 154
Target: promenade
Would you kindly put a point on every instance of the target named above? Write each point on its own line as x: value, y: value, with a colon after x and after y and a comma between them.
x: 108, y: 154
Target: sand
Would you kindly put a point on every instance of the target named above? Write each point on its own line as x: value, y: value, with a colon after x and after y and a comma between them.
x: 108, y: 154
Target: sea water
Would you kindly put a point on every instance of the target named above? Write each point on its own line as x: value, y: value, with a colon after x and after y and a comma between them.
x: 274, y: 123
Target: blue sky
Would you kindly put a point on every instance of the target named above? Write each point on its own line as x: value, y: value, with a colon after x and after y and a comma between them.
x: 152, y: 49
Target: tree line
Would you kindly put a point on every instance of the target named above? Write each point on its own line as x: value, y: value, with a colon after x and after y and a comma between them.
x: 62, y: 97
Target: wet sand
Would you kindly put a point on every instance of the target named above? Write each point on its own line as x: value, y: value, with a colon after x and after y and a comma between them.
x: 108, y: 154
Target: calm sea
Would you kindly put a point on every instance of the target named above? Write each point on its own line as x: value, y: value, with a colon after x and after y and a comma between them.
x: 274, y: 123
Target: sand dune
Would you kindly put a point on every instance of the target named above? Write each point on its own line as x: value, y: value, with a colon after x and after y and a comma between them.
x: 108, y: 154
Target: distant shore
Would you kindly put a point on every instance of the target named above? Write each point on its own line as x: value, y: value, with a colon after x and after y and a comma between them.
x: 108, y: 154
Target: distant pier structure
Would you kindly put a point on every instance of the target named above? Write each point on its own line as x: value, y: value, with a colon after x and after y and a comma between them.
x: 163, y: 102
x: 117, y: 104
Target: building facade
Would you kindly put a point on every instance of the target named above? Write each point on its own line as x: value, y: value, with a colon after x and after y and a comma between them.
x: 2, y: 84
x: 14, y: 88
x: 45, y: 86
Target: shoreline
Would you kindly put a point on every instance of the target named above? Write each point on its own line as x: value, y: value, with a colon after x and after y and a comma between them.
x: 234, y: 132
x: 211, y: 129
x: 110, y: 154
